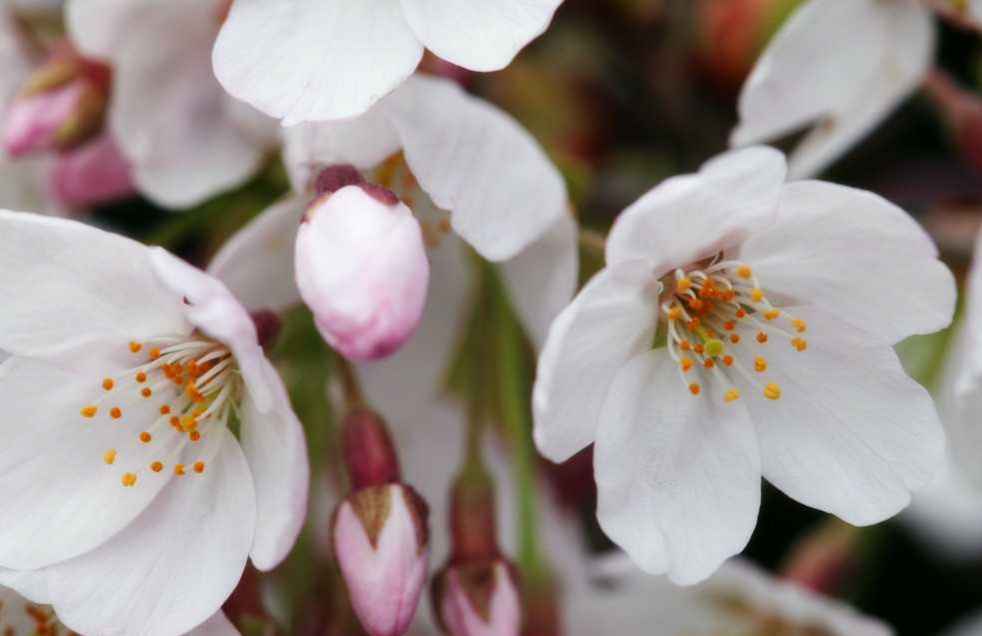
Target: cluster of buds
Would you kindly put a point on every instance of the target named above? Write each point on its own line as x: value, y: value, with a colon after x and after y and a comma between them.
x: 380, y: 531
x: 476, y: 593
x: 361, y: 265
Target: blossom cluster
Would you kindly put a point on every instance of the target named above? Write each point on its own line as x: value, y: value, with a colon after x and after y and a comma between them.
x: 393, y: 263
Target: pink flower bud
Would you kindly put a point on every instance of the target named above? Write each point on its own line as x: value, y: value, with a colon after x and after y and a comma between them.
x: 361, y: 267
x: 61, y: 106
x: 92, y: 174
x: 382, y: 547
x: 478, y: 599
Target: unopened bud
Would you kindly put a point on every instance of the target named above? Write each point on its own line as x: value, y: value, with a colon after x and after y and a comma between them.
x: 823, y: 559
x: 61, y: 106
x: 362, y: 269
x: 478, y: 599
x: 382, y: 547
x: 92, y: 174
x: 368, y: 451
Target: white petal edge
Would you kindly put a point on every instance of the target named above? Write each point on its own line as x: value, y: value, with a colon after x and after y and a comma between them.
x: 173, y: 567
x: 476, y: 161
x: 690, y: 217
x: 678, y: 475
x: 855, y: 254
x: 275, y: 446
x: 612, y: 319
x: 307, y: 60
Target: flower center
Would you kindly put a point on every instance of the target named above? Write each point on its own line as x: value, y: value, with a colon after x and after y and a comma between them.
x: 42, y: 621
x: 711, y: 312
x: 394, y: 174
x: 181, y: 391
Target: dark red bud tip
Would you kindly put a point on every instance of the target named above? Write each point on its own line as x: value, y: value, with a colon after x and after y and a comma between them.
x: 472, y: 518
x: 380, y: 194
x: 268, y: 326
x: 333, y: 178
x: 368, y: 450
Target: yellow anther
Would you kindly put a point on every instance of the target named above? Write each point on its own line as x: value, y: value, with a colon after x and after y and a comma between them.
x: 731, y: 395
x: 199, y: 467
x: 771, y: 314
x: 772, y: 391
x: 128, y: 479
x: 760, y: 365
x: 728, y: 361
x: 115, y: 412
x: 141, y: 377
x: 195, y: 436
x: 683, y: 283
x: 695, y: 304
x: 188, y: 423
x: 178, y: 469
x: 135, y: 346
x: 693, y: 324
x: 108, y: 384
x: 799, y: 325
x: 708, y: 363
x: 154, y: 353
x: 685, y: 345
x: 156, y: 466
x: 729, y: 325
x: 145, y: 437
x: 799, y: 343
x: 674, y: 313
x: 146, y: 392
x: 109, y: 456
x: 164, y: 409
x: 744, y: 271
x: 756, y: 294
x: 694, y: 388
x: 761, y: 337
x: 735, y: 338
x: 89, y: 411
x: 715, y: 348
x: 741, y: 313
x: 685, y: 364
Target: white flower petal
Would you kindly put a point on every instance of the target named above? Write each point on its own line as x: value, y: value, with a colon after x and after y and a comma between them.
x: 31, y: 584
x: 183, y: 135
x: 851, y: 434
x: 62, y: 452
x: 363, y: 142
x: 256, y: 264
x: 845, y: 63
x: 477, y: 162
x: 411, y: 379
x: 482, y: 36
x: 855, y: 254
x: 275, y: 446
x: 611, y: 320
x: 541, y: 280
x: 309, y: 60
x: 172, y: 568
x: 690, y: 217
x: 75, y: 284
x: 217, y: 625
x: 211, y: 307
x: 678, y: 475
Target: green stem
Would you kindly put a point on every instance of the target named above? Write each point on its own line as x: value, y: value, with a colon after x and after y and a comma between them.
x: 516, y: 412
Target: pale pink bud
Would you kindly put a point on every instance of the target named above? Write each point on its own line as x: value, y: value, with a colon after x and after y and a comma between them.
x: 381, y: 543
x: 34, y: 120
x: 361, y: 268
x: 91, y: 174
x: 478, y: 599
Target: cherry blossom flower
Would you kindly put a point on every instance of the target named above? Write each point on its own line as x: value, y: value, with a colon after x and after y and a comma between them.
x: 308, y: 60
x: 838, y: 68
x: 186, y: 139
x: 467, y: 171
x: 777, y: 306
x: 129, y: 491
